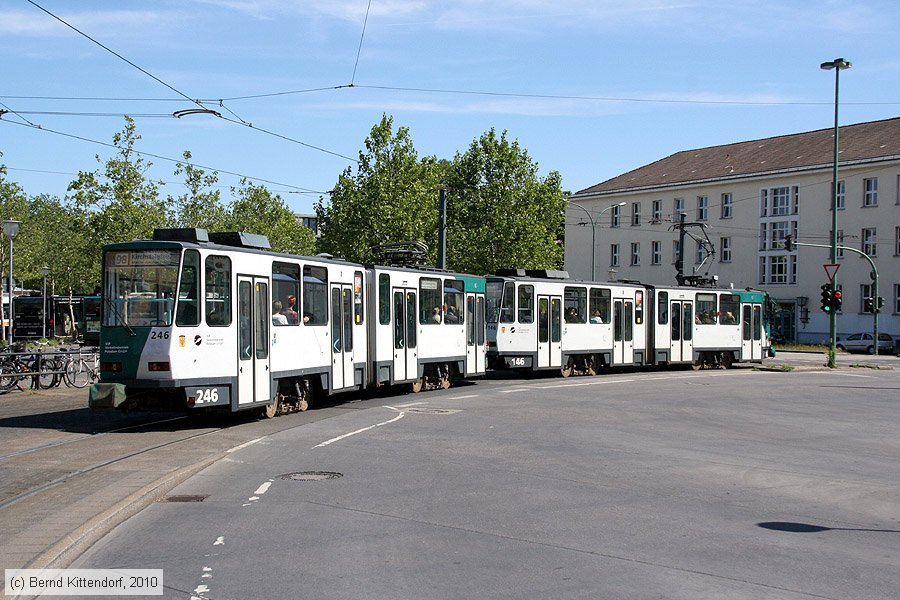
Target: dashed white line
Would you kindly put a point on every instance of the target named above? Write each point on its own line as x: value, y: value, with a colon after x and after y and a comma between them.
x: 263, y: 488
x: 244, y: 445
x: 346, y: 435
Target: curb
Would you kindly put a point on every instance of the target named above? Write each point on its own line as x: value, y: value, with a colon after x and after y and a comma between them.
x: 61, y: 554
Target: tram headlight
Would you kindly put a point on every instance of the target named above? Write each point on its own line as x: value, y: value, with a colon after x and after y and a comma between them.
x: 110, y: 367
x: 158, y: 366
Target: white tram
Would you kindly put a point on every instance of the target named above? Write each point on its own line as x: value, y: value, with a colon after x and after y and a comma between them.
x: 196, y: 319
x: 543, y: 320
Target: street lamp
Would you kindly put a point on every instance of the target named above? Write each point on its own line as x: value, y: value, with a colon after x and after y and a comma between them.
x: 11, y: 228
x: 594, y: 229
x: 838, y: 65
x: 44, y: 270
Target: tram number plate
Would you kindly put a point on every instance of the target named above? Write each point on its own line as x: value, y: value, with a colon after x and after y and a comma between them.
x: 518, y: 362
x: 208, y: 396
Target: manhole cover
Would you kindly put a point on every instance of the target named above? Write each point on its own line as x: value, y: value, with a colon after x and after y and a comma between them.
x: 185, y: 498
x: 422, y: 410
x: 311, y: 476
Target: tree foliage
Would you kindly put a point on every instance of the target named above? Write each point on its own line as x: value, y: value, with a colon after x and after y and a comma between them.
x: 391, y: 197
x: 256, y: 210
x: 200, y: 206
x: 502, y: 214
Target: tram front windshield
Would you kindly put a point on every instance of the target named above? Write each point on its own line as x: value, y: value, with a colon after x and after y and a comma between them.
x: 139, y: 287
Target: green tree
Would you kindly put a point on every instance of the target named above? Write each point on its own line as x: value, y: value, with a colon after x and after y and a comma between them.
x: 200, y: 206
x: 120, y: 203
x: 256, y: 210
x: 501, y: 212
x: 391, y: 197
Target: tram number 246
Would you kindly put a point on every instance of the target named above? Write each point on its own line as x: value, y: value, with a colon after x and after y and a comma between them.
x: 208, y: 396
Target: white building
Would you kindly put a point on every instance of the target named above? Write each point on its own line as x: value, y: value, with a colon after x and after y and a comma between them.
x: 750, y: 195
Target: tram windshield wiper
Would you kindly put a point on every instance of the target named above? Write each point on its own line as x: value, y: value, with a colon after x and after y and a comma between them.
x: 119, y: 318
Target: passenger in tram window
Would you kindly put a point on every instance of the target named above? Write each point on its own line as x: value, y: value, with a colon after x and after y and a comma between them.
x: 452, y: 316
x: 596, y: 318
x: 729, y: 319
x: 572, y: 315
x: 436, y: 314
x: 277, y: 317
x: 290, y: 312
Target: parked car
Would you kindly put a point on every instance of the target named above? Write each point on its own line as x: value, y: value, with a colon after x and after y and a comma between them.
x: 862, y: 342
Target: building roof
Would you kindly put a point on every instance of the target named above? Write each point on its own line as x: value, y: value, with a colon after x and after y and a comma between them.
x: 813, y: 149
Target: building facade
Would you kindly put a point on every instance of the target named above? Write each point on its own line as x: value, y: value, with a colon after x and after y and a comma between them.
x: 746, y: 197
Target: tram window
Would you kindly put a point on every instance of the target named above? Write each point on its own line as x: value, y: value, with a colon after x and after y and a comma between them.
x: 218, y: 291
x: 336, y: 323
x: 629, y: 325
x: 430, y: 301
x: 358, y: 297
x: 508, y: 304
x: 676, y: 321
x: 757, y: 322
x: 729, y: 309
x: 410, y: 319
x: 555, y: 320
x: 245, y: 299
x: 688, y: 321
x: 707, y: 310
x: 384, y: 298
x: 262, y: 320
x: 349, y: 304
x: 526, y: 304
x: 662, y: 308
x: 600, y: 301
x: 188, y: 310
x: 493, y: 294
x: 453, y: 302
x: 479, y: 314
x: 543, y: 320
x: 470, y: 328
x: 285, y: 291
x: 746, y: 322
x: 576, y: 304
x: 399, y: 321
x: 315, y: 296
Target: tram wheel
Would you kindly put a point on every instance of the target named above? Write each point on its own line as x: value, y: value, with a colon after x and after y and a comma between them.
x: 567, y: 370
x: 270, y: 410
x: 418, y: 385
x: 726, y: 360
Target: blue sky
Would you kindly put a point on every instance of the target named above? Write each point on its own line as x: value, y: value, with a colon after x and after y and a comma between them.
x: 591, y: 88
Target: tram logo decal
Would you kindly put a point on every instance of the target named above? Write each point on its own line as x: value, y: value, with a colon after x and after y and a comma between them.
x: 198, y: 340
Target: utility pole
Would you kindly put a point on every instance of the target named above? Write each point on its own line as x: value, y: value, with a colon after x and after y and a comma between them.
x: 442, y: 229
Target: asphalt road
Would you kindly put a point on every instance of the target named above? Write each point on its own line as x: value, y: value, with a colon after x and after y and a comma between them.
x: 670, y: 484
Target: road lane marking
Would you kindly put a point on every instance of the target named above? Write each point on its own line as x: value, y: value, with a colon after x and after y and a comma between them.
x: 463, y: 397
x: 263, y: 488
x: 244, y: 445
x: 364, y: 429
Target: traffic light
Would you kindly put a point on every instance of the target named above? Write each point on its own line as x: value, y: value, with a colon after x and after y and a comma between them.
x: 827, y: 297
x: 880, y: 303
x: 869, y: 305
x: 837, y: 300
x: 789, y: 243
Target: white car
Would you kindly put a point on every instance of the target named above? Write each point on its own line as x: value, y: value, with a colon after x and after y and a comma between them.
x: 862, y: 342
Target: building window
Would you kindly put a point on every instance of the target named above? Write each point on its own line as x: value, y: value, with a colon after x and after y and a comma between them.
x: 657, y: 211
x: 762, y: 236
x: 898, y: 189
x: 635, y: 214
x: 762, y: 270
x: 781, y: 201
x: 897, y: 242
x: 778, y: 269
x: 865, y: 291
x: 777, y: 231
x: 870, y: 191
x: 635, y: 254
x: 614, y: 218
x: 676, y: 250
x: 764, y: 203
x: 840, y: 242
x: 727, y: 204
x: 897, y: 298
x: 841, y: 199
x: 677, y: 210
x: 793, y: 275
x: 868, y: 241
x: 725, y: 249
x: 614, y: 255
x: 701, y: 252
x: 656, y: 252
x: 702, y: 208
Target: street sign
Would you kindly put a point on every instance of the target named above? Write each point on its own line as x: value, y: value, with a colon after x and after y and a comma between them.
x: 831, y: 271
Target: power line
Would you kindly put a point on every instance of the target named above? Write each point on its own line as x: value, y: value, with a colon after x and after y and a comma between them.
x: 361, y: 37
x: 165, y: 158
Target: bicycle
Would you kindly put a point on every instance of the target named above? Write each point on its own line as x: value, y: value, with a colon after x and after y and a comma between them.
x: 81, y: 371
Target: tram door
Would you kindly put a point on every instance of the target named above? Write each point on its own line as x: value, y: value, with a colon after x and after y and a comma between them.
x: 549, y: 331
x: 623, y: 332
x: 406, y: 357
x: 254, y: 317
x: 475, y: 352
x: 682, y: 316
x: 751, y: 332
x: 342, y: 336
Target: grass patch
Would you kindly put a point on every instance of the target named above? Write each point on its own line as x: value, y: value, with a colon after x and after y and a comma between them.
x: 777, y: 368
x: 815, y: 348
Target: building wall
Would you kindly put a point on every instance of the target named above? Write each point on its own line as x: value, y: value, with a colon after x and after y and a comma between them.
x: 806, y: 197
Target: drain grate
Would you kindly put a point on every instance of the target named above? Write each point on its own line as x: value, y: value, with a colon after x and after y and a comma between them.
x: 185, y: 498
x: 311, y: 476
x: 422, y: 410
